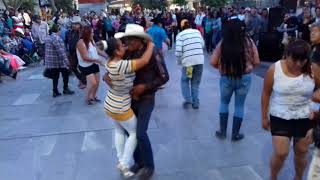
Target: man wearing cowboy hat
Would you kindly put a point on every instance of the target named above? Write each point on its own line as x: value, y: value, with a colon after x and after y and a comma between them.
x: 146, y: 83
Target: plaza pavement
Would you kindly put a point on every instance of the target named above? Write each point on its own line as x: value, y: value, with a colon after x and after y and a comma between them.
x: 42, y: 138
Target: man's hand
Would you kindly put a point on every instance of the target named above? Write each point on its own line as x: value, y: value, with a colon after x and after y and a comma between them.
x: 107, y: 79
x: 137, y: 91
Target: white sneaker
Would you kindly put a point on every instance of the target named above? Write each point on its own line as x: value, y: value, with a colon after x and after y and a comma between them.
x: 127, y: 173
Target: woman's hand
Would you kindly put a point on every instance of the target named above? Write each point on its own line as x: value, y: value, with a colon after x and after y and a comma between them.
x: 266, y: 124
x: 309, y: 136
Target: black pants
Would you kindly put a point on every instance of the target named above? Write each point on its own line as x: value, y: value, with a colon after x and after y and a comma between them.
x: 74, y: 64
x: 170, y: 38
x: 175, y: 33
x: 55, y: 79
x: 143, y: 155
x: 208, y: 41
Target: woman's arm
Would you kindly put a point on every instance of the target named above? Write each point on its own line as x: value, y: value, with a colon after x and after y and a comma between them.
x: 265, y: 97
x: 256, y: 59
x: 84, y: 52
x: 216, y: 57
x: 316, y: 96
x: 102, y: 53
x: 144, y: 60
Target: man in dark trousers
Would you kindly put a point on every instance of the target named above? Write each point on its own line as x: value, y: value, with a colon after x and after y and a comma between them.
x: 72, y: 38
x: 147, y: 82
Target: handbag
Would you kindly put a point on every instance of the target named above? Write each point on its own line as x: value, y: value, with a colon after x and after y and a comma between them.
x: 48, y: 73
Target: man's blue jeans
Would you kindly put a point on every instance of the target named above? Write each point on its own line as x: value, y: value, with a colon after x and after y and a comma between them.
x: 240, y: 87
x: 143, y: 155
x: 190, y: 86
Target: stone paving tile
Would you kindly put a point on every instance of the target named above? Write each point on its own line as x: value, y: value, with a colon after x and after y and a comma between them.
x: 36, y: 77
x: 26, y: 99
x: 238, y: 173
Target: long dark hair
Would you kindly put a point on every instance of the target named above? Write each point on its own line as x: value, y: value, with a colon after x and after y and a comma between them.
x: 300, y: 50
x: 234, y: 45
x: 86, y: 35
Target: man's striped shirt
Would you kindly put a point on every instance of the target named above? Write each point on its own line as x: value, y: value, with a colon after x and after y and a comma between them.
x: 189, y: 48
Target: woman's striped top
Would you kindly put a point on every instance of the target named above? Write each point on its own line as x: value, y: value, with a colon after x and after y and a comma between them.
x: 118, y: 100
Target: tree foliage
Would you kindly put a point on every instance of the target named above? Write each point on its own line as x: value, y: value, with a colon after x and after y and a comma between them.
x: 66, y: 5
x: 16, y: 4
x: 151, y: 4
x: 180, y: 2
x: 214, y: 3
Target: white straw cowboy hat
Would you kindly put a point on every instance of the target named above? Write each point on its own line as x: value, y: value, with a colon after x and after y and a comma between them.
x: 136, y: 31
x: 119, y: 35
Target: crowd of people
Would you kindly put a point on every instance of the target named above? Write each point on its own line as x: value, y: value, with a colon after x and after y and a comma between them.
x: 132, y: 47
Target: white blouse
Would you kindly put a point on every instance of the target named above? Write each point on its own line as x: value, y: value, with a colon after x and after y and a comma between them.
x: 291, y: 97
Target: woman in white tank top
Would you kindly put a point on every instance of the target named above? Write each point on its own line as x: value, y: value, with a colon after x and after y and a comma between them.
x: 286, y: 97
x: 89, y: 61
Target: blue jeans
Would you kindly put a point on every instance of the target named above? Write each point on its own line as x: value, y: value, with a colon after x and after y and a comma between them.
x: 143, y: 155
x: 240, y: 87
x: 190, y: 87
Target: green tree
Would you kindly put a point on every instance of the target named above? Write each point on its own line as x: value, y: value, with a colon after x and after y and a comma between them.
x: 16, y: 4
x: 180, y: 2
x: 66, y: 5
x: 214, y: 3
x: 151, y: 4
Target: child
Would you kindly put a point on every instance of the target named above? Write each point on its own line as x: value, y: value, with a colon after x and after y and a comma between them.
x: 118, y: 100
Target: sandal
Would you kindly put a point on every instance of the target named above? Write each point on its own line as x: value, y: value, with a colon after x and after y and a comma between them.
x: 90, y: 102
x: 96, y: 100
x: 82, y: 86
x: 120, y: 167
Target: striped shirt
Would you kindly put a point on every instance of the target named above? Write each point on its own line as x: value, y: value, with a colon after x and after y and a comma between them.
x: 189, y: 48
x: 118, y: 100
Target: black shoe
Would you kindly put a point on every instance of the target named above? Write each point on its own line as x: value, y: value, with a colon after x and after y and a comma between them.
x: 236, y: 136
x: 186, y: 105
x: 135, y: 168
x: 222, y: 133
x: 195, y: 106
x: 14, y: 75
x: 67, y: 91
x: 145, y: 173
x: 56, y: 94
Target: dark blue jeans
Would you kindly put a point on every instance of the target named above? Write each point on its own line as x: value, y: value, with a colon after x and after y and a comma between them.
x: 143, y: 155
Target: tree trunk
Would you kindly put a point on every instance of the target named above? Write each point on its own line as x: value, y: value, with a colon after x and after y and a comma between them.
x: 53, y: 4
x: 36, y: 7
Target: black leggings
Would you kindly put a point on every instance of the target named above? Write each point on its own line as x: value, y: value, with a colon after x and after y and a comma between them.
x: 55, y: 80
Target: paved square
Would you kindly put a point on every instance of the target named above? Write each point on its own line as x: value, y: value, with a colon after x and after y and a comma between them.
x: 45, y: 138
